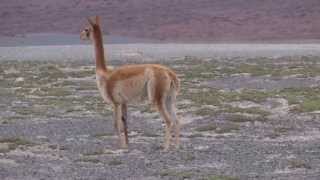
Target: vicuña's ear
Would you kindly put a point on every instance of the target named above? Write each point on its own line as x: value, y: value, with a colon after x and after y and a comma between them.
x: 98, y: 21
x: 90, y: 22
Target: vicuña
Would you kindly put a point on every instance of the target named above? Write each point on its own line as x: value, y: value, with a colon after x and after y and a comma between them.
x: 130, y: 83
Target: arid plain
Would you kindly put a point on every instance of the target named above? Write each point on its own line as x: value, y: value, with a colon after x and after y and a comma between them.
x: 246, y: 114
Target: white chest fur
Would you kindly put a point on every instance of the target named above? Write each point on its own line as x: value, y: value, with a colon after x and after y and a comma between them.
x: 102, y: 86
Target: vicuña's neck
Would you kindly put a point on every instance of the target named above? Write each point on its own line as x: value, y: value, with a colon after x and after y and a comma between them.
x: 99, y: 51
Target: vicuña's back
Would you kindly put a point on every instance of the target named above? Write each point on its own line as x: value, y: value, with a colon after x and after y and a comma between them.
x: 133, y: 83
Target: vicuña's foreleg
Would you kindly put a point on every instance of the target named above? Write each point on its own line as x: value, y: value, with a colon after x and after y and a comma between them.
x: 124, y: 121
x: 120, y: 125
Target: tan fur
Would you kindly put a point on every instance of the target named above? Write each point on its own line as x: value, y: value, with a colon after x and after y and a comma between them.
x: 134, y: 83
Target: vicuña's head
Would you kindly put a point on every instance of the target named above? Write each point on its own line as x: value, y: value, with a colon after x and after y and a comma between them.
x: 93, y: 28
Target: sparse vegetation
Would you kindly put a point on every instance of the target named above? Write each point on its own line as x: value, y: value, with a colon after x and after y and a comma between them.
x: 81, y: 73
x: 253, y: 110
x: 297, y: 164
x: 217, y: 97
x: 209, y: 127
x: 307, y: 99
x: 114, y: 162
x: 95, y: 153
x: 89, y: 160
x: 200, y: 71
x: 263, y: 68
x: 273, y: 135
x: 205, y: 112
x: 187, y: 156
x: 102, y: 135
x: 176, y: 174
x: 149, y: 133
x: 14, y: 143
x: 282, y: 130
x: 225, y: 128
x: 221, y: 177
x: 195, y: 135
x: 242, y: 118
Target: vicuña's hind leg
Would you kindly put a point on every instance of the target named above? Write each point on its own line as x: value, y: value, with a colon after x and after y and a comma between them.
x: 171, y: 106
x: 167, y: 119
x: 177, y: 127
x: 177, y: 132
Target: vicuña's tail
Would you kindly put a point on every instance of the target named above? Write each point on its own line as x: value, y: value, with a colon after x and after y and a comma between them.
x: 175, y: 82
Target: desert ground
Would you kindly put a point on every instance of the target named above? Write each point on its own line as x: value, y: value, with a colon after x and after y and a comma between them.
x: 246, y: 113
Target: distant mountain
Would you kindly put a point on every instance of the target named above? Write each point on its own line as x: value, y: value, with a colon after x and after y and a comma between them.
x: 168, y: 20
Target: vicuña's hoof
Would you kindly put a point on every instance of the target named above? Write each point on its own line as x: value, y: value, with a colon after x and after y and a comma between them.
x: 177, y: 146
x: 165, y: 148
x: 123, y: 146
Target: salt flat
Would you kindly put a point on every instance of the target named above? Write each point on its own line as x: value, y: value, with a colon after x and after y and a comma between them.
x: 157, y: 51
